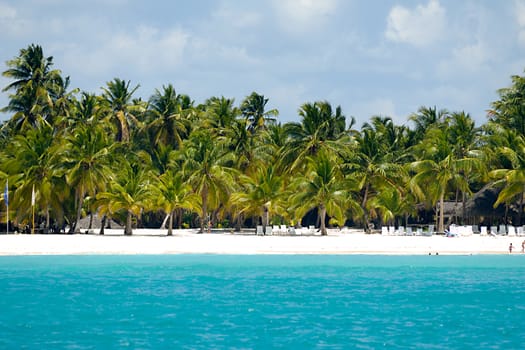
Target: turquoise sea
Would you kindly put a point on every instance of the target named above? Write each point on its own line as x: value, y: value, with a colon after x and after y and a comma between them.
x: 262, y: 302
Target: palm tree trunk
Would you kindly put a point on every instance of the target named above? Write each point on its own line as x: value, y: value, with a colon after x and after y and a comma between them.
x: 79, y: 212
x: 204, y: 197
x: 170, y: 223
x: 365, y: 213
x: 128, y: 231
x: 163, y: 225
x: 265, y: 219
x: 441, y: 225
x: 322, y: 214
x: 102, y: 224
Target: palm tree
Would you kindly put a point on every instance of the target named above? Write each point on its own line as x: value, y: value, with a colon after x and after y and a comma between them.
x: 169, y: 114
x: 220, y: 114
x: 320, y: 129
x: 438, y: 169
x: 28, y: 159
x: 261, y: 194
x: 253, y: 110
x: 426, y: 118
x: 373, y: 162
x: 128, y: 193
x: 205, y: 168
x: 118, y: 96
x: 509, y: 110
x: 33, y: 86
x: 322, y: 188
x: 173, y: 193
x: 85, y: 159
x: 510, y: 168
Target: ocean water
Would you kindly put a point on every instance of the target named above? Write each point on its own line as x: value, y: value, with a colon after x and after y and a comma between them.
x: 262, y: 302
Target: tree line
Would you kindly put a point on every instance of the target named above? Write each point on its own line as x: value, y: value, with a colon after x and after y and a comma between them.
x: 218, y: 163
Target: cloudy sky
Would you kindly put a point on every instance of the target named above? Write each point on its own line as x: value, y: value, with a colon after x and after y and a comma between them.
x: 381, y: 57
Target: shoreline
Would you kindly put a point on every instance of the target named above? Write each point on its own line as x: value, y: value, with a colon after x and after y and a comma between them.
x: 155, y: 241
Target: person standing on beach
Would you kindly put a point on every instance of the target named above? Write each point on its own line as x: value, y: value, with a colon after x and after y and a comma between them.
x: 510, y: 248
x: 523, y: 247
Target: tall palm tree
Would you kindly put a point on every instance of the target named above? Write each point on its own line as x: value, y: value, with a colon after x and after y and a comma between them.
x: 33, y: 86
x: 28, y: 159
x: 172, y: 193
x: 220, y: 114
x: 85, y: 158
x: 253, y: 110
x: 322, y: 188
x: 128, y: 193
x: 509, y: 110
x: 426, y: 118
x: 204, y: 165
x: 438, y: 170
x: 373, y: 162
x: 262, y: 194
x: 320, y: 129
x: 118, y: 95
x: 509, y: 174
x: 169, y: 116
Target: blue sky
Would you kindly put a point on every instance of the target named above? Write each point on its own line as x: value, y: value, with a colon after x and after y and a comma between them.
x: 378, y: 57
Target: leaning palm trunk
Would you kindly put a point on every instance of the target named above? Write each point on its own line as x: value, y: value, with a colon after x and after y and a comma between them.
x: 163, y: 226
x: 204, y: 208
x: 322, y: 215
x: 128, y: 231
x: 170, y: 223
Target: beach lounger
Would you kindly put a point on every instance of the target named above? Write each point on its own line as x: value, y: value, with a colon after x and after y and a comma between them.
x: 430, y: 231
x: 519, y: 231
x: 391, y: 230
x: 483, y: 231
x: 269, y: 230
x: 284, y: 229
x: 511, y: 230
x: 409, y: 232
x: 384, y: 230
x: 311, y: 229
x: 259, y: 231
x: 493, y: 231
x: 400, y: 231
x: 502, y: 230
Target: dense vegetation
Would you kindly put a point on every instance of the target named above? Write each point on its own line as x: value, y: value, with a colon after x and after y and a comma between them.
x: 222, y: 164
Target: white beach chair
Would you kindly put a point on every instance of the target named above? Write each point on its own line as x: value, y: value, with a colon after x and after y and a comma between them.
x: 409, y: 232
x: 311, y: 229
x: 493, y: 231
x: 391, y: 230
x: 259, y: 231
x: 284, y: 229
x: 512, y: 230
x: 384, y: 230
x: 519, y: 231
x: 483, y: 231
x: 276, y: 230
x: 269, y: 230
x: 502, y: 230
x: 400, y: 231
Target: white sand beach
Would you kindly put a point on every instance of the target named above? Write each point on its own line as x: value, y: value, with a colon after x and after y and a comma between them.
x: 190, y: 242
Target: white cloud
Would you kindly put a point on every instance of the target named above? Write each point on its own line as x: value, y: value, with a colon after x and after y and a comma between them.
x: 298, y: 16
x: 421, y: 26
